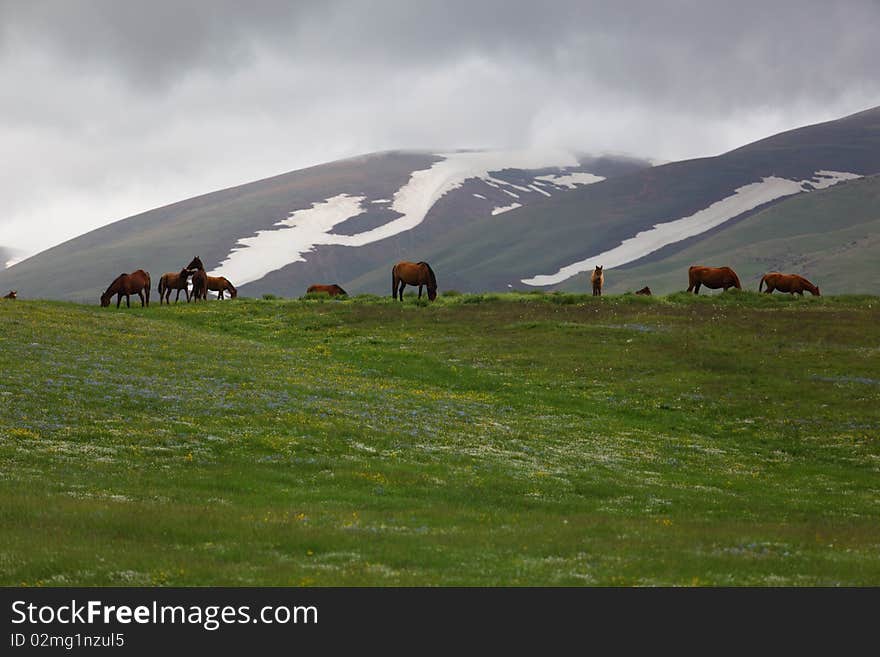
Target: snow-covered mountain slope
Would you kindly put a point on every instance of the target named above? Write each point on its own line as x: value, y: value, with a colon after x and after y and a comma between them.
x: 485, y: 220
x: 254, y: 233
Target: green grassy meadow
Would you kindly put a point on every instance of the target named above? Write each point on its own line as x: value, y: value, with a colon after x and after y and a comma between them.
x: 535, y: 439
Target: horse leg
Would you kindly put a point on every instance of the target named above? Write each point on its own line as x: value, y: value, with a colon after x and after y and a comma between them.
x: 420, y: 291
x: 141, y: 295
x: 400, y: 290
x: 128, y: 301
x: 697, y: 288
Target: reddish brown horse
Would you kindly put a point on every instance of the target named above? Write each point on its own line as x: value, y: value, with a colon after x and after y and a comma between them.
x: 712, y: 277
x: 413, y: 273
x: 597, y: 279
x: 645, y: 290
x: 199, y: 279
x: 137, y: 282
x: 221, y: 284
x: 333, y: 290
x: 170, y: 282
x: 791, y: 283
x: 12, y: 295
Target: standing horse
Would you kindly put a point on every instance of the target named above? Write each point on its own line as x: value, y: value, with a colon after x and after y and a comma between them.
x: 171, y: 281
x: 712, y: 277
x: 221, y: 284
x: 597, y: 279
x: 333, y: 290
x: 791, y: 283
x: 413, y: 273
x: 199, y: 279
x: 12, y: 294
x: 137, y: 282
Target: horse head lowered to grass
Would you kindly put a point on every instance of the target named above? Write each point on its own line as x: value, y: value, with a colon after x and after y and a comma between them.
x: 221, y: 284
x: 333, y: 290
x: 791, y: 283
x: 137, y: 282
x: 413, y: 273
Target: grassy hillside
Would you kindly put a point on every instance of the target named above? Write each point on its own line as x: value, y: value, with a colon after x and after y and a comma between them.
x: 830, y: 236
x: 515, y: 439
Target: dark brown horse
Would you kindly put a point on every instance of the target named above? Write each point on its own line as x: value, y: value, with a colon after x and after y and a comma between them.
x: 199, y: 279
x: 12, y: 295
x: 170, y: 282
x: 645, y: 290
x: 333, y: 290
x: 413, y: 273
x: 712, y: 277
x: 597, y: 279
x: 221, y: 284
x: 791, y: 283
x: 137, y: 282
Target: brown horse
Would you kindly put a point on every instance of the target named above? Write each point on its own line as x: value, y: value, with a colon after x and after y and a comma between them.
x: 791, y: 283
x: 12, y: 295
x: 199, y: 285
x: 221, y: 284
x: 333, y: 290
x: 137, y: 282
x: 712, y: 277
x: 645, y: 290
x: 171, y: 281
x: 199, y: 279
x: 597, y: 279
x: 413, y: 273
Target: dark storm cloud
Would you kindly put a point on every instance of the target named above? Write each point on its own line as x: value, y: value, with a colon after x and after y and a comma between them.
x: 113, y: 107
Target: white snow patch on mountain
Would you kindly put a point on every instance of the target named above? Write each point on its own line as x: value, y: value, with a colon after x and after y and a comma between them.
x: 539, y: 190
x: 571, y: 180
x: 505, y: 208
x: 254, y: 257
x: 480, y: 196
x: 268, y: 250
x: 745, y: 198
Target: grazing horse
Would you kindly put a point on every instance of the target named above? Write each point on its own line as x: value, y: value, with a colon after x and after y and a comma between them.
x: 12, y: 295
x: 413, y: 273
x: 137, y: 282
x: 171, y: 281
x: 199, y: 279
x: 712, y: 277
x: 333, y: 290
x: 791, y: 283
x: 597, y: 278
x: 221, y: 284
x: 645, y: 290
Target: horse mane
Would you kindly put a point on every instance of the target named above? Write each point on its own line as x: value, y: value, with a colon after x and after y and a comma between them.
x: 431, y: 276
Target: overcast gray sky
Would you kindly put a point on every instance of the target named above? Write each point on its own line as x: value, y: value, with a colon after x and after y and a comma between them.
x: 113, y: 107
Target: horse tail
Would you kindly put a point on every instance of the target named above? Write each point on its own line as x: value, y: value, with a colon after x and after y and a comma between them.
x: 161, y: 287
x: 763, y: 278
x: 394, y: 281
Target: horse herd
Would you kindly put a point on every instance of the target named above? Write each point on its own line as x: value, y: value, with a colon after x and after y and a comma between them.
x: 138, y: 282
x: 724, y: 277
x: 407, y: 273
